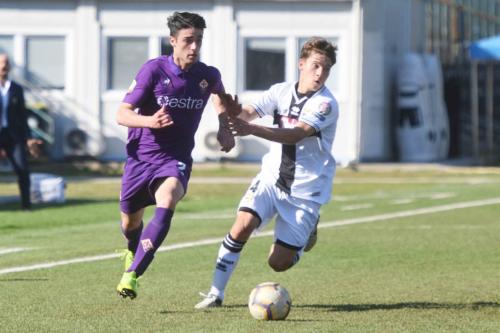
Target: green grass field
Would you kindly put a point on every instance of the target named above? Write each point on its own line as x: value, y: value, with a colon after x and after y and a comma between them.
x: 398, y: 251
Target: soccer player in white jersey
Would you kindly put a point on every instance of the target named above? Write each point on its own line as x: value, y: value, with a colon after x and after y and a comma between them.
x: 297, y: 173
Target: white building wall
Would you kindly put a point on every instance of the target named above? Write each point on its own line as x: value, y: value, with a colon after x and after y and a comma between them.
x: 371, y: 36
x: 74, y: 106
x: 148, y: 19
x: 385, y: 37
x: 391, y: 28
x: 293, y: 20
x: 228, y: 23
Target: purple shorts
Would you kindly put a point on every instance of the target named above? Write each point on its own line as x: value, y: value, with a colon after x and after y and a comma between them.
x: 140, y: 180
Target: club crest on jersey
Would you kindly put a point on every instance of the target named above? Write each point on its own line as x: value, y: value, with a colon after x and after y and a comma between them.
x: 147, y: 245
x: 203, y: 85
x: 166, y: 82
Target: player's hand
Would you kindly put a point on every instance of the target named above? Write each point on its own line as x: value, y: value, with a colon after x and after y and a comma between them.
x: 240, y: 127
x: 160, y: 119
x: 3, y: 154
x: 229, y: 105
x: 34, y: 147
x: 226, y: 139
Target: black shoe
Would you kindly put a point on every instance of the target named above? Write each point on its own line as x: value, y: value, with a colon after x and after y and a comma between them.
x: 313, y: 238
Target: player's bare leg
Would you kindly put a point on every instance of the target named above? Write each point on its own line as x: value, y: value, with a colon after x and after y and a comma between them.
x: 131, y: 225
x: 282, y: 258
x: 228, y: 257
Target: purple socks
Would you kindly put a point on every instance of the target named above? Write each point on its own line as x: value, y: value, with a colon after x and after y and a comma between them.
x: 151, y: 239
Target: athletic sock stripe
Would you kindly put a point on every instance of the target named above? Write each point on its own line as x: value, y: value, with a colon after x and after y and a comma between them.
x: 234, y: 241
x: 231, y: 244
x: 221, y: 267
x: 230, y: 248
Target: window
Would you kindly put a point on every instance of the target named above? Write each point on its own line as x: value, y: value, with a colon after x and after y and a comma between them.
x: 125, y: 56
x: 7, y: 45
x: 264, y: 62
x: 45, y: 61
x: 333, y: 81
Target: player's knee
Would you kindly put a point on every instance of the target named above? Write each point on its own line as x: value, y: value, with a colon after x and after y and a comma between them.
x: 131, y: 221
x: 244, y: 226
x: 127, y: 227
x: 166, y: 202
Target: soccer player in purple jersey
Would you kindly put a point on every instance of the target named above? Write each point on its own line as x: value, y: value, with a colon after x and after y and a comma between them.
x: 162, y: 110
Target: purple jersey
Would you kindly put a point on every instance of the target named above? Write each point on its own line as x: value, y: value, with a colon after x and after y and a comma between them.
x: 184, y: 93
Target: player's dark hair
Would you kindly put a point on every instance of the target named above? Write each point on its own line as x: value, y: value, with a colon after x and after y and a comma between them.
x: 319, y: 45
x: 184, y: 20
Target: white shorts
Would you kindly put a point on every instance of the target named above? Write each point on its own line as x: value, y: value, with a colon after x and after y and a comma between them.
x: 295, y: 217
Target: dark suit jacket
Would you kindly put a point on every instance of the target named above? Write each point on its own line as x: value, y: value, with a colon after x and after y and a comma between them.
x: 17, y: 114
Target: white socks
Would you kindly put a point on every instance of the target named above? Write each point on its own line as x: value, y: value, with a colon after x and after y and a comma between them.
x: 227, y: 259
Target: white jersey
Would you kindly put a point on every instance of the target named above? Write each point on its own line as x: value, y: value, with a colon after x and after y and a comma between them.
x: 304, y: 170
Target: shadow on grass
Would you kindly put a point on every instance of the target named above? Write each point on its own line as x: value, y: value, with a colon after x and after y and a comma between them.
x: 24, y: 280
x: 235, y: 306
x: 400, y: 306
x: 170, y: 312
x: 15, y: 206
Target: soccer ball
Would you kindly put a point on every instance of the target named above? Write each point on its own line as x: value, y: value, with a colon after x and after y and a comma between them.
x: 269, y: 301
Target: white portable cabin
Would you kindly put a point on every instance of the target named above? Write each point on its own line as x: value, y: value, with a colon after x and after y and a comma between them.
x: 437, y: 105
x: 416, y: 135
x: 423, y: 128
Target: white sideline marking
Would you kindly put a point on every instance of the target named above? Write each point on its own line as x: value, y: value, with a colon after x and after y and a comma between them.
x: 356, y: 207
x: 12, y: 250
x: 413, y: 212
x: 439, y: 196
x: 210, y: 241
x: 401, y: 201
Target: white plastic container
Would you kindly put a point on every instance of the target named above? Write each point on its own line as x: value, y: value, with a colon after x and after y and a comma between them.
x: 46, y: 188
x: 416, y: 132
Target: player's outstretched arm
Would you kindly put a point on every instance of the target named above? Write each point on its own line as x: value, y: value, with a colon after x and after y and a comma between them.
x: 227, y: 105
x: 290, y: 136
x: 126, y: 116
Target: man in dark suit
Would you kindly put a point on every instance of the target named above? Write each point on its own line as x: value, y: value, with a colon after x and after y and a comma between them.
x: 15, y: 135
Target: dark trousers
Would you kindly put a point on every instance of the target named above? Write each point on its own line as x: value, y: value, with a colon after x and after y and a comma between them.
x: 16, y: 153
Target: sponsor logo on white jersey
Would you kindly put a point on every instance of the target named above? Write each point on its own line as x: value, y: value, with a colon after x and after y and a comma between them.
x: 187, y: 103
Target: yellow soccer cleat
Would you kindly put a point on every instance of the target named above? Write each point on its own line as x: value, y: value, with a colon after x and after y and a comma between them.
x: 128, y: 258
x: 128, y: 285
